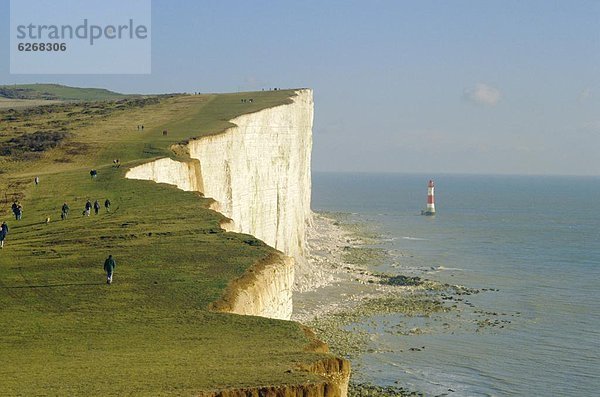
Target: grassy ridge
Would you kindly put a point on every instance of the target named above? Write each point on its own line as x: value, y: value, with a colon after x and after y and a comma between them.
x: 64, y: 331
x: 56, y: 92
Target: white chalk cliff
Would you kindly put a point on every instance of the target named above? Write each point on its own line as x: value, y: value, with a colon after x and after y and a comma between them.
x: 184, y: 175
x: 258, y: 171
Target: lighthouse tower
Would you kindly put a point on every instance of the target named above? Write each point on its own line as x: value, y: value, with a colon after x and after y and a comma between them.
x: 430, y: 210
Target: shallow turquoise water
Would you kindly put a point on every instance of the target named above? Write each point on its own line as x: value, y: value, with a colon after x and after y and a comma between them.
x: 535, y: 239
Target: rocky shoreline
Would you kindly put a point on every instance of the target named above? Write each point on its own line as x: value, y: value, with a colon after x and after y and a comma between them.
x: 340, y: 295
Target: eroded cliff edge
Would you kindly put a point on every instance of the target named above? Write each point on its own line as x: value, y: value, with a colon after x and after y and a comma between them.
x: 258, y: 172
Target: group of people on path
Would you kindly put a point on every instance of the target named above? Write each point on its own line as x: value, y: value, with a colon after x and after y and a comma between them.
x: 64, y: 214
x: 17, y: 209
x: 88, y: 207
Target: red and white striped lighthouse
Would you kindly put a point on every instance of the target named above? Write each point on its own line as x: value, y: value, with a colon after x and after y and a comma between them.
x: 430, y: 210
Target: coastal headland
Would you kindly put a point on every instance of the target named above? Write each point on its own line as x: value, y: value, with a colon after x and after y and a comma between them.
x: 201, y: 299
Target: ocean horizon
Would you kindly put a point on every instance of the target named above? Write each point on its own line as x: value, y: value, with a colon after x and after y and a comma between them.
x: 528, y: 243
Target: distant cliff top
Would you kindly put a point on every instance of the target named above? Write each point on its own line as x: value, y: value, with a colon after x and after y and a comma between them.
x: 56, y: 92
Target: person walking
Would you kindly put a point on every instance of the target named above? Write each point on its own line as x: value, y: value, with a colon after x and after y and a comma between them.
x: 14, y: 207
x: 37, y: 180
x: 18, y: 211
x: 109, y: 268
x: 64, y: 211
x: 96, y: 207
x: 3, y: 233
x: 107, y: 205
x: 88, y: 208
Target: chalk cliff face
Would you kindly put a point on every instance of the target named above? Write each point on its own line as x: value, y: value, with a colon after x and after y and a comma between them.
x: 258, y: 171
x: 183, y: 175
x: 266, y: 290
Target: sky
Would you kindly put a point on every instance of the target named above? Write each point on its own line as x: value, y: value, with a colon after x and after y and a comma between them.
x: 483, y: 87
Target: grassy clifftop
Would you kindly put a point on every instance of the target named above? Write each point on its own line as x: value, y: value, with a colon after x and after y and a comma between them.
x: 64, y: 331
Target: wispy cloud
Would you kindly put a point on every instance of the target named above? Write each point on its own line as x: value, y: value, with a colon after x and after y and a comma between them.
x: 482, y: 94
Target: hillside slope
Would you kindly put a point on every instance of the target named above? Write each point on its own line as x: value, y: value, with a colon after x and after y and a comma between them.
x: 65, y: 332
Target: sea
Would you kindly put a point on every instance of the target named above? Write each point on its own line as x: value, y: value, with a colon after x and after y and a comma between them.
x: 530, y: 246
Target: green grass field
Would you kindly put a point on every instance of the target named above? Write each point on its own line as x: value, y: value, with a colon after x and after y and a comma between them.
x: 64, y: 331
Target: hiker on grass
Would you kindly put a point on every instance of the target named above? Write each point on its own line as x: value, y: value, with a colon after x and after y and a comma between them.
x: 107, y: 205
x: 96, y: 207
x: 88, y: 208
x: 17, y: 210
x: 64, y: 211
x: 3, y: 233
x: 2, y: 237
x: 14, y: 207
x: 109, y: 268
